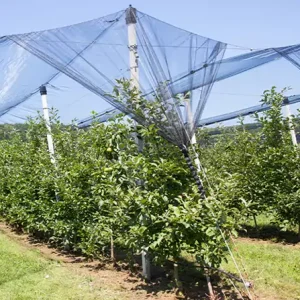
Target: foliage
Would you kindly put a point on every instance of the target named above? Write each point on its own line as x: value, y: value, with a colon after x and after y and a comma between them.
x: 273, y: 267
x: 260, y: 169
x: 92, y: 192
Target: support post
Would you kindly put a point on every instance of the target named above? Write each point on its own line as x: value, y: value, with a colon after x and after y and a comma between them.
x: 43, y: 92
x: 132, y: 45
x: 189, y: 117
x: 195, y: 172
x: 146, y: 265
x: 134, y: 76
x: 292, y: 130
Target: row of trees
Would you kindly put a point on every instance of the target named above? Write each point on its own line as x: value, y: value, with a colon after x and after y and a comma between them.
x: 259, y: 167
x: 92, y: 195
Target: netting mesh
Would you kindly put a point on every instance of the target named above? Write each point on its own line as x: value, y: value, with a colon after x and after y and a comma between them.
x: 93, y: 54
x: 108, y: 114
x: 242, y: 112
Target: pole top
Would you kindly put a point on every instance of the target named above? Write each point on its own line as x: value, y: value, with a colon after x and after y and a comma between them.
x: 43, y: 90
x: 130, y: 15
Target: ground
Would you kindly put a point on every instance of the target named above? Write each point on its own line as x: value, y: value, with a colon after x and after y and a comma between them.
x: 274, y: 268
x: 33, y: 271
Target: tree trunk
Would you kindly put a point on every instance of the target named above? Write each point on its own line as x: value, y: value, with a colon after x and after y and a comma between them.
x: 112, y: 250
x: 176, y: 278
x: 209, y: 285
x: 255, y: 223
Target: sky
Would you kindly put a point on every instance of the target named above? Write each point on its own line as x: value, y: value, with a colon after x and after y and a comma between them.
x: 253, y: 24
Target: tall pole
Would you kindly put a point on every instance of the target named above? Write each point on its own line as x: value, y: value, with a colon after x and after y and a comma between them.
x: 294, y: 138
x: 133, y: 57
x: 292, y: 130
x: 43, y: 92
x: 190, y: 121
x: 189, y: 115
x: 132, y: 44
x: 131, y: 21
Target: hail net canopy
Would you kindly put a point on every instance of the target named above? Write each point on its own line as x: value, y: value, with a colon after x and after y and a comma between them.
x: 170, y: 62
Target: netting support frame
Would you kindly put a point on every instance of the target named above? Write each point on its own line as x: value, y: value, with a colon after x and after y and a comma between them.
x: 131, y: 22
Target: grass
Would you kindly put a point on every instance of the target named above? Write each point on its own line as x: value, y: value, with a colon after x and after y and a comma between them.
x: 274, y: 268
x: 26, y: 274
x: 271, y: 258
x: 267, y: 230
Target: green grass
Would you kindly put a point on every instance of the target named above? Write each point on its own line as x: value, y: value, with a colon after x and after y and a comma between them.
x: 25, y: 274
x: 271, y: 264
x: 274, y: 268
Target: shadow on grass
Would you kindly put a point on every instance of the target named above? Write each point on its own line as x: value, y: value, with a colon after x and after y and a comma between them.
x: 194, y: 285
x: 269, y: 232
x: 193, y: 281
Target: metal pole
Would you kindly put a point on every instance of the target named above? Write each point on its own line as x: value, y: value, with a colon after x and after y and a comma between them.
x: 43, y: 92
x: 292, y: 130
x: 134, y: 76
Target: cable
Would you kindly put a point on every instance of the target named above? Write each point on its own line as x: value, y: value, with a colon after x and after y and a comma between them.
x: 235, y: 287
x: 234, y: 261
x: 236, y: 94
x: 218, y: 227
x: 125, y: 45
x: 176, y: 27
x: 72, y: 103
